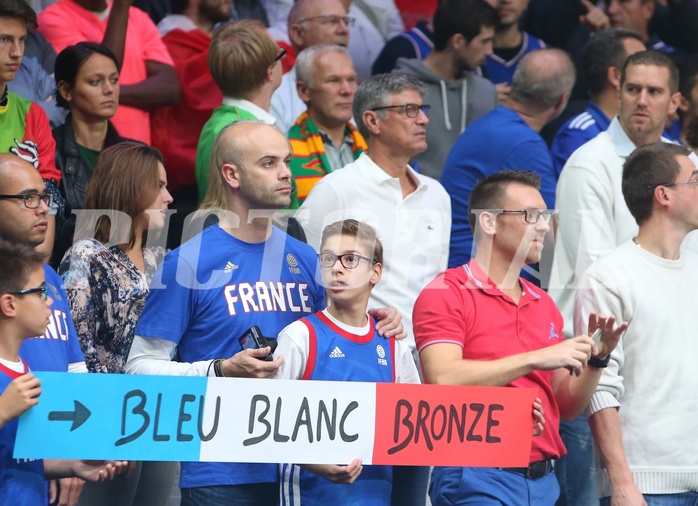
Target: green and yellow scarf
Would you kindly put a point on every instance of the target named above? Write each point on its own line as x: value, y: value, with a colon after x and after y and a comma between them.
x: 309, y: 162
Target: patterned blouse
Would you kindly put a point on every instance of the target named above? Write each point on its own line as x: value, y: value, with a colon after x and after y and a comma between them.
x: 106, y: 293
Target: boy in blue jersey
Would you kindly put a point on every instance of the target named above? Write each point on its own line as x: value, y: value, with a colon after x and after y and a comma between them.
x: 340, y: 343
x: 25, y: 312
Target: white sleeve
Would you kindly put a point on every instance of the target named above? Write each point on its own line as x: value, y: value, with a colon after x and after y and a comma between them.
x: 584, y: 199
x: 293, y: 346
x: 77, y: 367
x: 594, y: 295
x: 153, y: 356
x: 405, y: 368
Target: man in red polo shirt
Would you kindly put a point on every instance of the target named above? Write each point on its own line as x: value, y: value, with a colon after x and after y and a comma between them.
x: 481, y: 324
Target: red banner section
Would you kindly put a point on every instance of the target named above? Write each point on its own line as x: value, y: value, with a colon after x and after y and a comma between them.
x: 453, y: 425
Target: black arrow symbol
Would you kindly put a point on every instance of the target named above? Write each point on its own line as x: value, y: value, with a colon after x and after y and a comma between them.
x: 78, y: 417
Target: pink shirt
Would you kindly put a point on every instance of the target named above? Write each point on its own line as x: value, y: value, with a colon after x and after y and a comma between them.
x: 66, y: 23
x: 463, y: 306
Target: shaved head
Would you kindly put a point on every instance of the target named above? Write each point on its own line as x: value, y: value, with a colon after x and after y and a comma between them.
x: 232, y: 140
x: 8, y: 164
x: 21, y: 224
x: 252, y: 161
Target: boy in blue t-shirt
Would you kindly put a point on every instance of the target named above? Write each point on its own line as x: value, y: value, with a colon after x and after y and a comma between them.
x: 346, y: 348
x: 24, y: 313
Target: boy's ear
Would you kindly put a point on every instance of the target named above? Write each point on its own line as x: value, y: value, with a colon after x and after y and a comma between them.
x: 8, y: 309
x: 376, y: 273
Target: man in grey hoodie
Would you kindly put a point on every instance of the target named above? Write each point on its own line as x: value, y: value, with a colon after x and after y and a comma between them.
x: 458, y: 95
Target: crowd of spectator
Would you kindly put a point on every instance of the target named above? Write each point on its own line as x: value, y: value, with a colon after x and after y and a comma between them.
x: 507, y: 187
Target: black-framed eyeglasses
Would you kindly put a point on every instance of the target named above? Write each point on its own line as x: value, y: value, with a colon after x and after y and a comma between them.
x: 653, y: 186
x: 410, y: 110
x: 348, y: 260
x: 281, y: 55
x: 41, y: 290
x: 331, y: 19
x: 530, y: 215
x: 32, y: 200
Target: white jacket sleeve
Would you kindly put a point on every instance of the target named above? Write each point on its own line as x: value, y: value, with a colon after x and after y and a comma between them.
x: 153, y: 356
x: 593, y: 295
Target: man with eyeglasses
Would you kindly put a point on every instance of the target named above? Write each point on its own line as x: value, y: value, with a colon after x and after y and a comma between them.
x: 644, y: 409
x: 411, y: 212
x: 24, y: 207
x: 508, y: 138
x: 310, y: 22
x: 482, y: 324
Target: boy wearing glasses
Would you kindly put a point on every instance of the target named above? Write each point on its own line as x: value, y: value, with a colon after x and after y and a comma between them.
x: 24, y: 204
x: 340, y: 344
x: 24, y: 313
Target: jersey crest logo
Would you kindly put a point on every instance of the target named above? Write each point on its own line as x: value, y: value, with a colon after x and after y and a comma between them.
x: 336, y: 353
x: 54, y: 293
x: 230, y: 267
x: 381, y: 355
x: 553, y: 334
x: 292, y: 264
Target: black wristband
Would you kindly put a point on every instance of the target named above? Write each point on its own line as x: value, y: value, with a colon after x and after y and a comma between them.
x: 599, y: 363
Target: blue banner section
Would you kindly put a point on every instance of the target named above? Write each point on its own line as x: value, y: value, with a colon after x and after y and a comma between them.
x: 105, y: 416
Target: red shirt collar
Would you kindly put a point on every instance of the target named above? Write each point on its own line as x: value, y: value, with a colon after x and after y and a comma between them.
x: 477, y: 278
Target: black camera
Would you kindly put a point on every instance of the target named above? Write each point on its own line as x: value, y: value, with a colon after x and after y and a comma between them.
x: 253, y: 339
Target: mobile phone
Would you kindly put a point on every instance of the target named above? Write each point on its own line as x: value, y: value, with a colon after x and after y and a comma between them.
x: 596, y: 336
x: 253, y: 339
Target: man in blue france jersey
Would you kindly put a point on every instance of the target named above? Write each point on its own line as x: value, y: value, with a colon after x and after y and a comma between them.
x: 236, y: 274
x: 602, y: 60
x: 341, y: 344
x: 24, y: 205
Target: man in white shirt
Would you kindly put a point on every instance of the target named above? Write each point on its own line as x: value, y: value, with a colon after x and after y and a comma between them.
x: 593, y: 217
x: 644, y: 409
x: 411, y: 212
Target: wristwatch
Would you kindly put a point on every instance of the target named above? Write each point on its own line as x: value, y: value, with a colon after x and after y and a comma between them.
x: 599, y: 363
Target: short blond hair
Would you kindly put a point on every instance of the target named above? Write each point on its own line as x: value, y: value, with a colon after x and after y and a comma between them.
x: 240, y: 56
